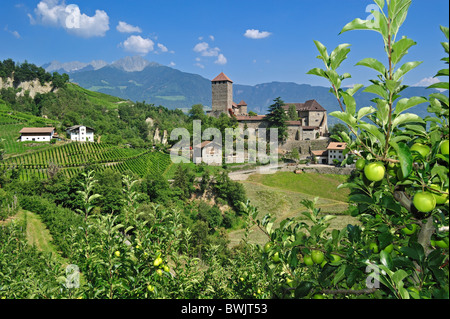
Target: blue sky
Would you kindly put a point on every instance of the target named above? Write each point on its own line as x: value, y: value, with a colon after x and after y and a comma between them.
x: 251, y: 41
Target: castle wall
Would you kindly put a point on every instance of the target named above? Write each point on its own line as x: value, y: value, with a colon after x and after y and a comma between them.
x: 222, y: 96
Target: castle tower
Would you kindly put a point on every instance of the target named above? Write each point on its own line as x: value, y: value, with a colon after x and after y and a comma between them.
x: 222, y: 95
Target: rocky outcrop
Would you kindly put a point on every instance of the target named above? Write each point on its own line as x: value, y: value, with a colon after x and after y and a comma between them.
x: 33, y: 87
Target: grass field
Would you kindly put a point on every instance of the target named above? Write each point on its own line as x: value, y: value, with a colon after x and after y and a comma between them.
x: 280, y: 195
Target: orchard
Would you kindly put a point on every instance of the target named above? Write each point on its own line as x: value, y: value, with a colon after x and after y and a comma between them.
x: 398, y: 192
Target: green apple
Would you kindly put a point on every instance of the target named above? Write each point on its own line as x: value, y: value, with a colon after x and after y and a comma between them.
x: 290, y: 282
x: 276, y: 257
x: 318, y: 296
x: 150, y: 288
x: 422, y: 149
x: 166, y: 268
x: 440, y: 198
x: 374, y: 247
x: 159, y: 272
x: 374, y: 171
x: 117, y: 253
x: 317, y: 256
x: 444, y: 147
x: 441, y: 243
x: 158, y: 261
x: 335, y: 258
x: 267, y: 247
x: 409, y: 229
x: 360, y: 163
x: 308, y: 260
x: 389, y: 248
x: 424, y: 201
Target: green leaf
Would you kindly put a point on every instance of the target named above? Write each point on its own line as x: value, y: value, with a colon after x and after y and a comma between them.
x: 405, y: 157
x: 338, y: 55
x: 405, y: 68
x: 414, y: 251
x: 406, y: 118
x: 386, y: 259
x: 344, y: 117
x: 303, y: 289
x: 383, y: 110
x: 373, y: 64
x: 351, y: 91
x: 364, y: 111
x: 406, y: 103
x: 398, y: 276
x: 380, y: 3
x: 400, y: 49
x: 378, y: 90
x: 373, y: 130
x: 398, y: 14
x: 339, y: 275
x: 323, y: 51
x: 361, y: 198
x: 445, y: 31
x: 359, y: 24
x: 439, y: 85
x: 350, y: 103
x: 318, y: 72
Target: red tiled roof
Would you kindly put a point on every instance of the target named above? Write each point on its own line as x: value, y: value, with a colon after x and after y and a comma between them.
x: 37, y: 130
x: 242, y: 103
x: 294, y: 123
x: 320, y: 153
x: 221, y: 77
x: 250, y: 118
x: 337, y: 146
x: 310, y: 105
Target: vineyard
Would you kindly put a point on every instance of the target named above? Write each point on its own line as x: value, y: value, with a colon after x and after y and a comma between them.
x: 32, y: 160
x: 73, y: 157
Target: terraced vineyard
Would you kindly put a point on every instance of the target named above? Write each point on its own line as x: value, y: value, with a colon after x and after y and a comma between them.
x: 72, y: 157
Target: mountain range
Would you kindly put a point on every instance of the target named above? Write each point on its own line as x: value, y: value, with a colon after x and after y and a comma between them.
x: 138, y: 79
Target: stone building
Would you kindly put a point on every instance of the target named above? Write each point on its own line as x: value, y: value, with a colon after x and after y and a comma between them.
x: 312, y: 117
x: 222, y: 98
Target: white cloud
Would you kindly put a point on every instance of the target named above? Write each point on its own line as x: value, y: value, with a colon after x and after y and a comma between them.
x: 205, y: 50
x: 15, y: 33
x: 172, y: 64
x: 211, y: 37
x: 256, y: 34
x: 427, y: 81
x: 69, y: 17
x: 162, y: 47
x: 221, y: 59
x: 124, y: 27
x: 138, y: 44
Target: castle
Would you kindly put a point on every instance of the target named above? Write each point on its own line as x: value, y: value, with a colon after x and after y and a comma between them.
x: 312, y: 117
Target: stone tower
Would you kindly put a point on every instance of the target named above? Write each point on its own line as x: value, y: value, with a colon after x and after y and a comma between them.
x: 222, y: 95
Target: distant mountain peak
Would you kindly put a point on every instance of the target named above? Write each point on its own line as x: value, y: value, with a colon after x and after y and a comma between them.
x: 133, y: 63
x: 74, y: 66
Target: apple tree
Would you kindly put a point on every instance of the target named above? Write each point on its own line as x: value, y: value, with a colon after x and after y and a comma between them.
x: 399, y: 191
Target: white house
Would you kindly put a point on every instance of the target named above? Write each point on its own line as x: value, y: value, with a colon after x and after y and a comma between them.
x: 335, y: 151
x: 321, y: 156
x: 211, y: 153
x: 81, y: 133
x: 37, y: 134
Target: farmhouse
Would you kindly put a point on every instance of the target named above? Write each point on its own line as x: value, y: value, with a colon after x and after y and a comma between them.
x: 37, y: 134
x: 211, y: 153
x: 81, y: 133
x: 335, y: 151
